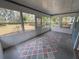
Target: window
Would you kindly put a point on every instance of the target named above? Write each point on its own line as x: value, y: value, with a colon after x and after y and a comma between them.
x: 45, y: 22
x: 55, y: 21
x: 29, y: 21
x: 76, y: 25
x: 39, y: 24
x: 9, y: 21
x: 77, y: 19
x: 67, y: 22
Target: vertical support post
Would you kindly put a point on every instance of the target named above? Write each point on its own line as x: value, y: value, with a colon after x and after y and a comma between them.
x: 60, y: 18
x: 50, y: 22
x: 35, y: 22
x: 41, y: 22
x: 22, y: 22
x: 1, y: 52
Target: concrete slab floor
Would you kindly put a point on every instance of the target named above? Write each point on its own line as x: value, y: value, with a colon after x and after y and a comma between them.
x: 51, y: 45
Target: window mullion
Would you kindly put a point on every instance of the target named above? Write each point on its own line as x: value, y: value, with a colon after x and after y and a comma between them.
x: 22, y: 22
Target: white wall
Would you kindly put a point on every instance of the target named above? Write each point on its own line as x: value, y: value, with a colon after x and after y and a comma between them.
x: 62, y: 30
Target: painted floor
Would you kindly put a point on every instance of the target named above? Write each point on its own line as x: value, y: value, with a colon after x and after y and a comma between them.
x: 51, y: 45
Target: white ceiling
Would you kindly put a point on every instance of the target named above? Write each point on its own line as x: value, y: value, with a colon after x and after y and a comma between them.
x: 47, y: 6
x: 52, y: 6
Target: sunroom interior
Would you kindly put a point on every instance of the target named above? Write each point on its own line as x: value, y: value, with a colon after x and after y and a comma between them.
x: 39, y: 29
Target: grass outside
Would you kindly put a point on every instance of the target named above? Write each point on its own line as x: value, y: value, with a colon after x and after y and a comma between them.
x: 7, y: 29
